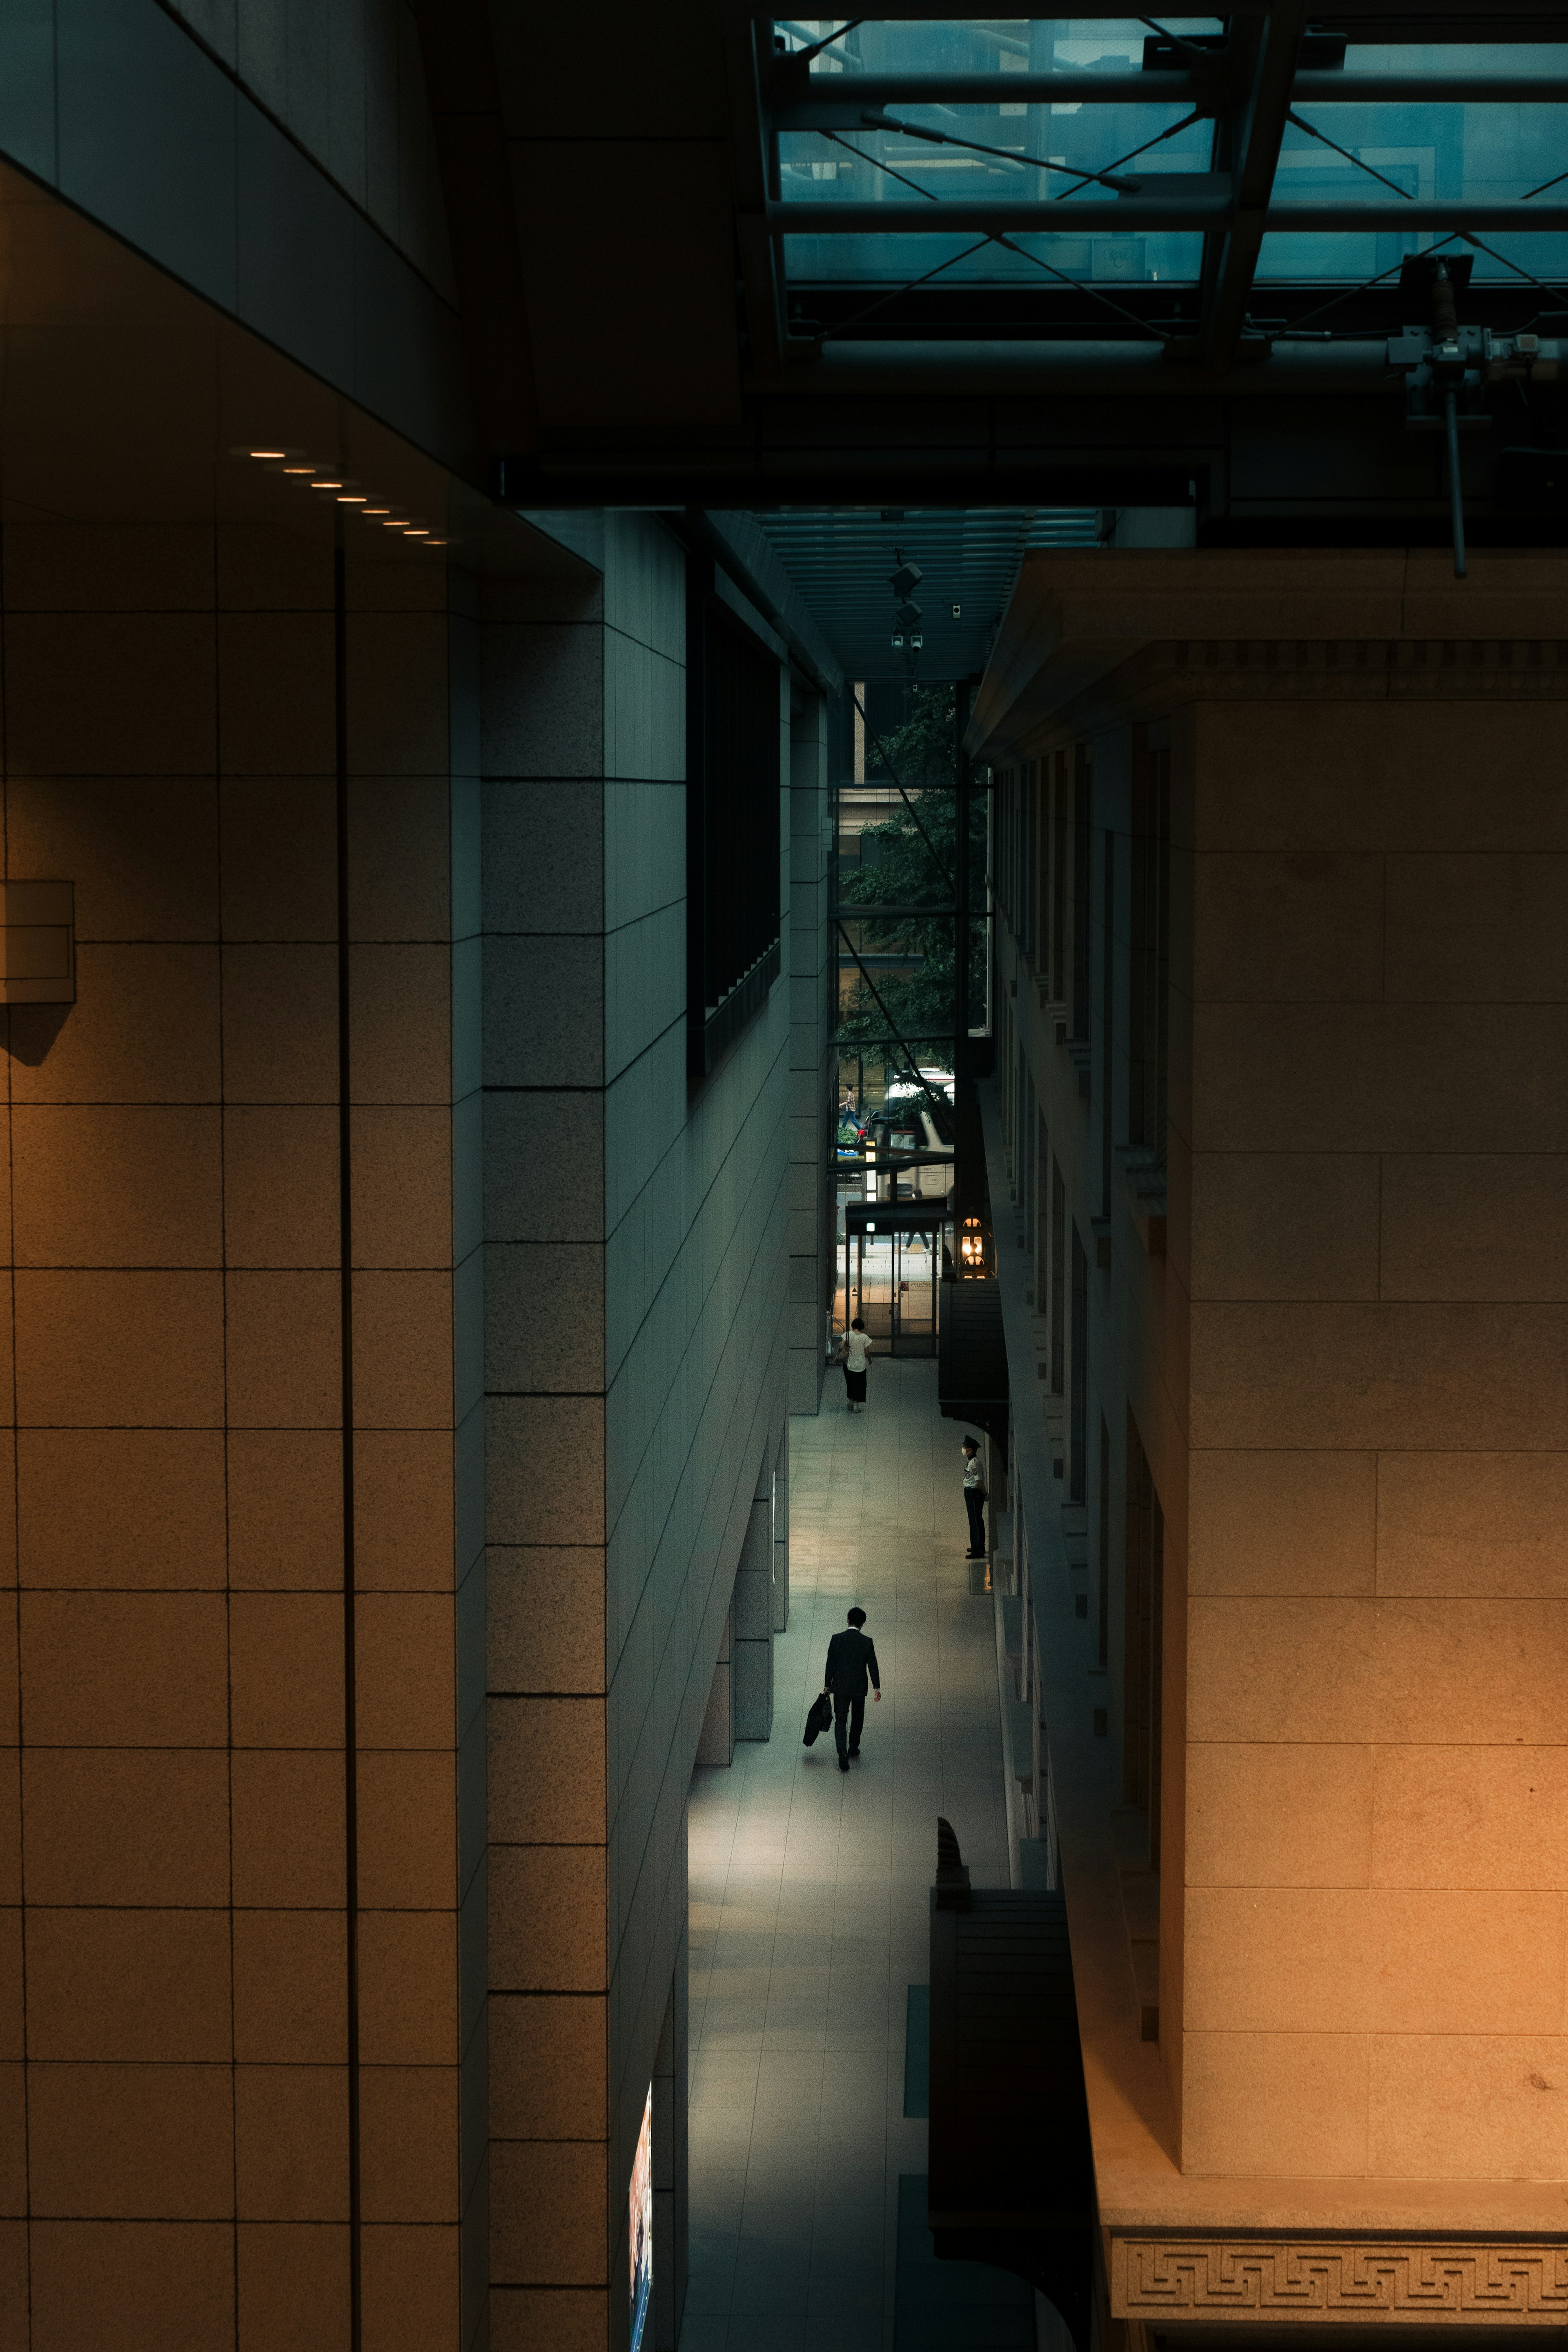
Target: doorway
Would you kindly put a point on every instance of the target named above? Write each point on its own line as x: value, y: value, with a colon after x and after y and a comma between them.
x: 891, y: 1281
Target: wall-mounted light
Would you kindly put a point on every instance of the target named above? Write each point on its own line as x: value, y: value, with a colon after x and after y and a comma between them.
x: 971, y: 1251
x: 338, y: 486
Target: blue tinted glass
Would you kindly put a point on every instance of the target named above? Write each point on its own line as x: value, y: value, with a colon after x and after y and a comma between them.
x: 1492, y: 151
x: 859, y: 164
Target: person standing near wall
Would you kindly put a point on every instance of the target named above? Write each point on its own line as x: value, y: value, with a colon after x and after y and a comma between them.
x: 854, y: 1353
x: 975, y: 1498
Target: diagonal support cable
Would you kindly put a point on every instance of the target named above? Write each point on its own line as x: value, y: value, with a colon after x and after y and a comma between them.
x: 940, y: 1110
x: 1007, y: 155
x: 1299, y: 122
x: 882, y: 754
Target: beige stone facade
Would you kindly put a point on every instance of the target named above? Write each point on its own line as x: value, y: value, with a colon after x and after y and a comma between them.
x: 1334, y: 1322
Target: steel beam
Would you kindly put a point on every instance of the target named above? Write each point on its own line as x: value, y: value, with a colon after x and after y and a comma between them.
x: 1090, y: 369
x: 752, y: 148
x: 1366, y: 20
x: 1131, y: 215
x: 1255, y: 139
x: 837, y: 100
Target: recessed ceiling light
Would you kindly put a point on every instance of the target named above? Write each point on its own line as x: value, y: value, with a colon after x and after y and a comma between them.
x: 377, y: 510
x: 419, y: 532
x: 351, y: 498
x: 299, y: 469
x: 270, y: 453
x: 326, y: 483
x: 397, y: 523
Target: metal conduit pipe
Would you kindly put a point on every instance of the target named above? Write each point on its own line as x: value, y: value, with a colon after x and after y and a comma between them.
x: 1128, y: 215
x: 838, y: 93
x: 1022, y: 369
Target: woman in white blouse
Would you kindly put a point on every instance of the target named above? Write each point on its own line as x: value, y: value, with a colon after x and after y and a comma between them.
x: 853, y: 1350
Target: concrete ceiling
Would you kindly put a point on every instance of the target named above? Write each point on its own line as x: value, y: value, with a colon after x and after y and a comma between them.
x: 841, y: 559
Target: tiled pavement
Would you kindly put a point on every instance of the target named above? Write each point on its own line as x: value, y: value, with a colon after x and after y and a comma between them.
x: 809, y: 1890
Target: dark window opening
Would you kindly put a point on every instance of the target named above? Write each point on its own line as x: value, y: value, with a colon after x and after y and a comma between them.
x: 1142, y: 1632
x: 1042, y: 1216
x: 1059, y: 880
x: 1149, y: 962
x: 733, y: 782
x: 1107, y: 1019
x: 1058, y: 1286
x: 1081, y: 842
x: 1077, y: 1462
x: 1104, y: 1625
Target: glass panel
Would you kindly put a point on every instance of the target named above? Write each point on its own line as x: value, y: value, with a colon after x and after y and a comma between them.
x: 1494, y: 153
x: 859, y: 165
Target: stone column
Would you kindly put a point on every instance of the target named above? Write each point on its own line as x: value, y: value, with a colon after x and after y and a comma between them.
x: 716, y: 1741
x: 752, y: 1662
x: 672, y: 2075
x: 813, y: 1120
x: 780, y: 1614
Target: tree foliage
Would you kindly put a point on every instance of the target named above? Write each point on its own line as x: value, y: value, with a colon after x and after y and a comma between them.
x: 898, y: 869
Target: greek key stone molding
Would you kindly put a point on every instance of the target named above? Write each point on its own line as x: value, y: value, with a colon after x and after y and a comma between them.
x: 1319, y: 2280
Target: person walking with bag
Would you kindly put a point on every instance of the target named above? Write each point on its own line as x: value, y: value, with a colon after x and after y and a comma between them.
x: 851, y: 1657
x: 975, y: 1498
x: 854, y: 1353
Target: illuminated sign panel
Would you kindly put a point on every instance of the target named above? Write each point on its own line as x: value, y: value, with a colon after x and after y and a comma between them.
x: 639, y: 2219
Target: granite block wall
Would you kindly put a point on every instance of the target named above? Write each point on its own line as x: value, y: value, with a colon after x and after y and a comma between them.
x: 1374, y: 1899
x: 637, y: 1271
x: 240, y: 1204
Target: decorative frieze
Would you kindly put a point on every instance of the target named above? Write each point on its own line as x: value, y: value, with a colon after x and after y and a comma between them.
x: 1174, y: 2279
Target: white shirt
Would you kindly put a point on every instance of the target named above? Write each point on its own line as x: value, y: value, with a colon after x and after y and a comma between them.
x: 856, y: 1347
x: 971, y: 1469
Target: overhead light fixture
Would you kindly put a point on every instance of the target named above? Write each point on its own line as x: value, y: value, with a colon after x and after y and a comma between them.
x: 351, y: 498
x: 377, y: 510
x: 299, y: 469
x: 270, y: 453
x: 417, y: 531
x: 395, y: 524
x: 326, y: 483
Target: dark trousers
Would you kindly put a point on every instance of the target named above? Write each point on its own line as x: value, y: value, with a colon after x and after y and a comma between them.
x: 975, y: 1504
x: 851, y: 1713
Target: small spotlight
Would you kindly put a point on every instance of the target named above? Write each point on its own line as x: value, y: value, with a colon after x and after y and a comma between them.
x: 898, y: 645
x: 958, y: 611
x: 917, y: 643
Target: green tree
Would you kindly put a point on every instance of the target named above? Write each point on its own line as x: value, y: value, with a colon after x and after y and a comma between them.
x: 898, y: 869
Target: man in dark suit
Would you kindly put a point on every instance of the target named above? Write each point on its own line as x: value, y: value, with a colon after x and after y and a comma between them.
x: 851, y: 1657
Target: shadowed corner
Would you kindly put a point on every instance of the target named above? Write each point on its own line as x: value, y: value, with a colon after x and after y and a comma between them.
x: 31, y: 1031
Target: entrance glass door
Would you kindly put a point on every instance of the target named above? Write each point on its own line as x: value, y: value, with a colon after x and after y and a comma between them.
x: 892, y: 1287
